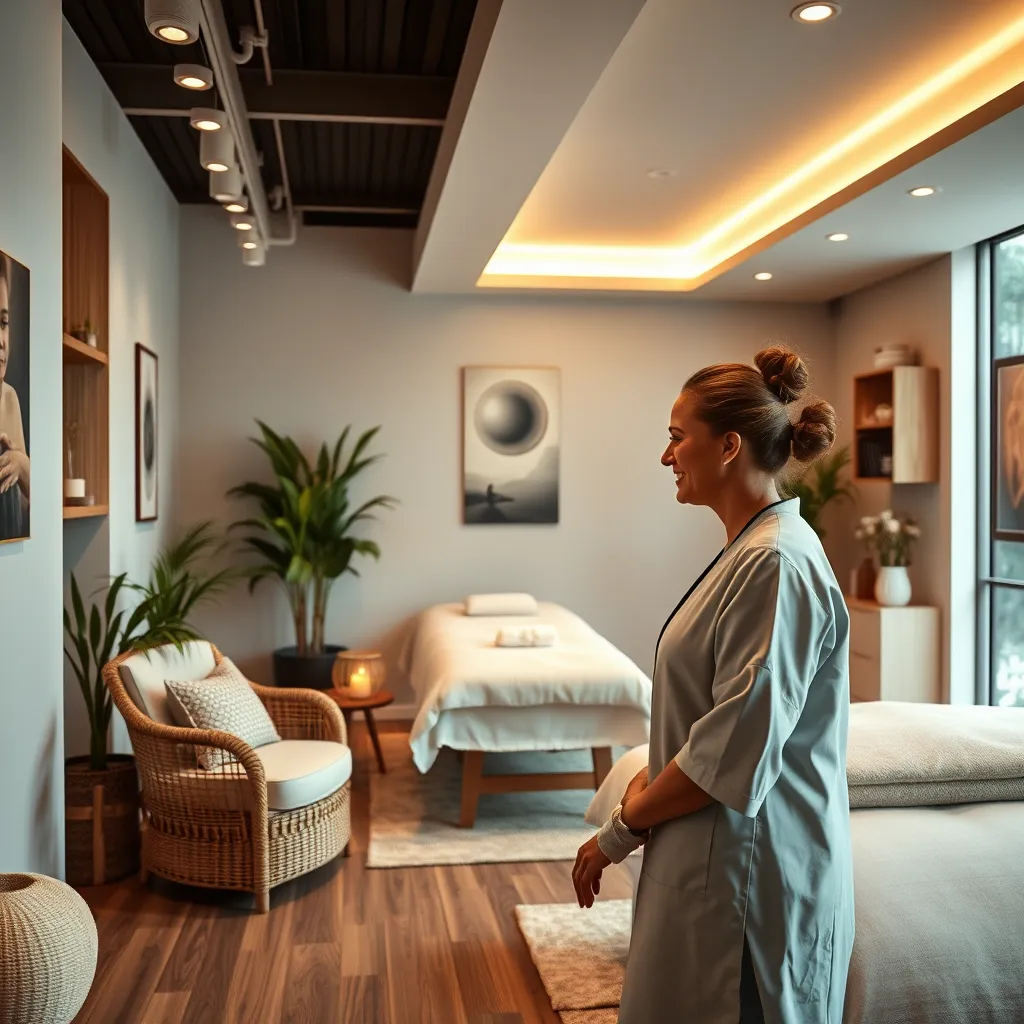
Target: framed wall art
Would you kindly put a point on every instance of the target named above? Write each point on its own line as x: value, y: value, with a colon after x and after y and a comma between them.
x: 15, y: 465
x: 511, y: 445
x: 147, y: 434
x: 1008, y: 449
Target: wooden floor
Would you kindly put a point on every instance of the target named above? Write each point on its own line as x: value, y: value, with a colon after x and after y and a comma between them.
x: 344, y: 944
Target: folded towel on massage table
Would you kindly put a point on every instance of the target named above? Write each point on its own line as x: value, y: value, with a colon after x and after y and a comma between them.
x: 527, y: 636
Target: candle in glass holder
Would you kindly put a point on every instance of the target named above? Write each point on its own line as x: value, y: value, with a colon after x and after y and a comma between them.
x: 359, y: 682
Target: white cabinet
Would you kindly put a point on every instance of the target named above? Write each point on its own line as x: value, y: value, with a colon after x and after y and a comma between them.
x: 894, y: 652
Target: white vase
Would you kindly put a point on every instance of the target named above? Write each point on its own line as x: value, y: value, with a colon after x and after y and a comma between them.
x: 892, y: 587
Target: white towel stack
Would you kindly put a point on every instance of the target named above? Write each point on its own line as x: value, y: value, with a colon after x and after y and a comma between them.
x: 527, y: 636
x: 501, y: 604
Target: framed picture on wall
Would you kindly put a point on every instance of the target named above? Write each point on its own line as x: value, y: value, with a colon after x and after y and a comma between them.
x: 146, y: 434
x: 1008, y: 449
x: 15, y: 519
x: 511, y: 445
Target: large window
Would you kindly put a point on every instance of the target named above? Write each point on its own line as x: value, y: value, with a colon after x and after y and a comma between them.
x: 1001, y: 465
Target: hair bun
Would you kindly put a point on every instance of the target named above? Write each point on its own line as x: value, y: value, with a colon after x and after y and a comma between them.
x: 815, y: 432
x: 784, y: 373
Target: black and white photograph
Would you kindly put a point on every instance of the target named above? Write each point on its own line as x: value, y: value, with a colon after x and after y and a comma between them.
x: 146, y: 434
x: 15, y: 464
x: 511, y: 428
x: 1008, y: 450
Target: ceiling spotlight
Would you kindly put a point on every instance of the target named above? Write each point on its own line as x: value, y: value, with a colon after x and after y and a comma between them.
x: 173, y: 21
x: 762, y: 275
x: 838, y: 236
x: 206, y: 119
x: 217, y: 151
x: 193, y: 76
x: 250, y: 245
x: 239, y: 205
x: 814, y: 13
x: 242, y: 222
x: 923, y: 190
x: 662, y: 172
x: 226, y: 186
x: 254, y: 257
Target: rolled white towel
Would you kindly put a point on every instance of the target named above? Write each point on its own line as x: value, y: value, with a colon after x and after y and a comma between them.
x: 514, y: 636
x: 501, y: 604
x: 543, y: 636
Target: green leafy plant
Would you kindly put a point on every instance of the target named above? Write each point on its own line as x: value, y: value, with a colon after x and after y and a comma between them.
x: 302, y: 535
x: 94, y: 636
x: 819, y: 486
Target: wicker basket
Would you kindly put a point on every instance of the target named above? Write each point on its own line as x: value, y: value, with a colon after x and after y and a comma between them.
x: 102, y: 811
x: 48, y: 950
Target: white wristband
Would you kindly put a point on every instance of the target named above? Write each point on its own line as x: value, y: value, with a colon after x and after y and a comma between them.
x: 615, y: 839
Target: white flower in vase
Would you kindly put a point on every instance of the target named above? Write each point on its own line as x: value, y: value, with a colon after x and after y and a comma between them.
x: 892, y: 526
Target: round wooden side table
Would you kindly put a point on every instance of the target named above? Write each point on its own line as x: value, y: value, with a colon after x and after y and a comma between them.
x: 348, y: 705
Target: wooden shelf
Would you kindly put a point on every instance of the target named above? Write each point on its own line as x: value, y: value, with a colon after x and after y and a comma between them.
x: 76, y: 351
x: 85, y: 511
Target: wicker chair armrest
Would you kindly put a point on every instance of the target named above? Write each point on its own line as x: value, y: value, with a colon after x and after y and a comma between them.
x: 300, y: 714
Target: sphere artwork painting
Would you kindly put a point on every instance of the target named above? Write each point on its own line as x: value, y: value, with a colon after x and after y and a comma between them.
x: 510, y: 445
x: 147, y: 421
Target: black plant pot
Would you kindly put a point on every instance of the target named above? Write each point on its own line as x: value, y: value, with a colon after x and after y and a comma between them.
x: 309, y: 671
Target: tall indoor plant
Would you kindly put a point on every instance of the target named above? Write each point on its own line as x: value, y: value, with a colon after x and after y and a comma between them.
x: 101, y: 789
x: 819, y: 486
x: 302, y: 537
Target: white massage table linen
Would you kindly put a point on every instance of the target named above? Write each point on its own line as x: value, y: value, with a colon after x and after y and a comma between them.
x: 455, y: 665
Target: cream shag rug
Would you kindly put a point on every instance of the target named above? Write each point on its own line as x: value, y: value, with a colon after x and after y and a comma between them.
x: 414, y: 817
x: 580, y: 956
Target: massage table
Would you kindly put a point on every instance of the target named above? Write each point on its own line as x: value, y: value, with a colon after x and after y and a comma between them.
x: 938, y: 859
x: 477, y: 698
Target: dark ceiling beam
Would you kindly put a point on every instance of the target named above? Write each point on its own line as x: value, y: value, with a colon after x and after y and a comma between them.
x: 337, y: 203
x: 150, y: 90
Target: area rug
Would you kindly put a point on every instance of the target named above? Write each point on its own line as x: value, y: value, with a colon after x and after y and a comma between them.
x: 414, y: 817
x: 580, y: 956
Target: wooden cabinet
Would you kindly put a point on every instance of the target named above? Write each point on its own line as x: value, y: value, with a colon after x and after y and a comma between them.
x: 894, y: 652
x: 901, y: 446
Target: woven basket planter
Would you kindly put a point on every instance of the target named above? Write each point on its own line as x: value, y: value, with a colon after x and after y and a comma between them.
x: 102, y: 813
x: 48, y: 950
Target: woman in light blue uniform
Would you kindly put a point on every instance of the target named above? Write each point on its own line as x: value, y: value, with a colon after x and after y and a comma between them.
x: 744, y: 908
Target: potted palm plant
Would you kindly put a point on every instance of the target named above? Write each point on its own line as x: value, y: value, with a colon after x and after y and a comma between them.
x: 819, y: 486
x: 302, y: 538
x: 101, y: 789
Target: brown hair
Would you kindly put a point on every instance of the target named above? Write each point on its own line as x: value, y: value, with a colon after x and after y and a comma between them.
x: 752, y: 403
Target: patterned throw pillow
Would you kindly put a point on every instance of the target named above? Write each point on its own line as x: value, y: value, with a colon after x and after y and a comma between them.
x: 223, y: 700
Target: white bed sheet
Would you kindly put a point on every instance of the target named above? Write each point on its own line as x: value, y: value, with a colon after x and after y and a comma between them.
x: 474, y: 695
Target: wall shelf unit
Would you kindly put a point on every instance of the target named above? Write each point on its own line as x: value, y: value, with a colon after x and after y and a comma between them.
x: 902, y: 448
x: 86, y: 368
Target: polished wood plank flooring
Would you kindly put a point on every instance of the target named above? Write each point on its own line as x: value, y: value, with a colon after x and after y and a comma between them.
x: 436, y: 945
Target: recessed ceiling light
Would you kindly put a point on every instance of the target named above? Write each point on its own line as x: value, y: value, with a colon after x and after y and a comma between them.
x: 813, y: 13
x: 250, y: 244
x: 238, y: 206
x: 242, y: 222
x: 923, y: 190
x: 762, y: 275
x: 662, y: 172
x: 206, y: 119
x: 838, y: 236
x: 193, y: 76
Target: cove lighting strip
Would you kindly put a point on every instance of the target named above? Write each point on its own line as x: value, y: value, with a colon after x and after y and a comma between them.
x: 975, y: 79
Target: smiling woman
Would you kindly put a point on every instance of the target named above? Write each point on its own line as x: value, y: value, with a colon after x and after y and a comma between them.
x: 14, y: 459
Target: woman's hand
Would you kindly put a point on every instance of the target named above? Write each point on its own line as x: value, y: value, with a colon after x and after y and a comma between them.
x: 14, y: 466
x: 586, y: 872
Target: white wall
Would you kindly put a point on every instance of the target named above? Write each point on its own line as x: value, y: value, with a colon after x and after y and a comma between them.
x: 31, y: 737
x: 325, y: 334
x: 930, y: 308
x: 144, y: 304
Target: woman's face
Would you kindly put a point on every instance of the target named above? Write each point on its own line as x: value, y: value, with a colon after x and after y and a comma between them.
x: 5, y: 328
x: 699, y: 459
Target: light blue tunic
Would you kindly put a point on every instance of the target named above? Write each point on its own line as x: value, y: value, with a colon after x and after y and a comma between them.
x: 751, y: 700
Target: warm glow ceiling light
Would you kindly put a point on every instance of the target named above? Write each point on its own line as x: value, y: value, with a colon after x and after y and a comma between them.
x: 815, y: 13
x: 173, y: 21
x: 193, y: 76
x: 250, y: 244
x: 217, y: 151
x: 662, y: 172
x: 242, y: 222
x: 226, y: 186
x: 922, y: 190
x: 206, y: 119
x: 893, y: 131
x: 254, y: 257
x: 239, y: 205
x: 838, y: 236
x: 762, y: 275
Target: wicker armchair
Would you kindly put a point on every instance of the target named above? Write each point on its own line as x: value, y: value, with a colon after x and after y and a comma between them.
x: 214, y: 828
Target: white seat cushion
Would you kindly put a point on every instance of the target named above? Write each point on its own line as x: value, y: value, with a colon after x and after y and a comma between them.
x: 298, y: 773
x: 143, y: 675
